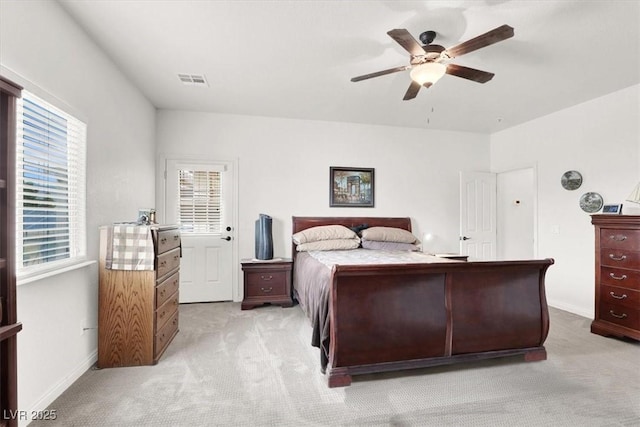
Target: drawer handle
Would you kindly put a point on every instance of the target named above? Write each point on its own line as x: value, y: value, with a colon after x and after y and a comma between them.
x: 176, y: 237
x: 623, y: 296
x: 266, y: 277
x: 163, y: 240
x: 613, y: 276
x: 618, y: 316
x: 266, y: 290
x: 175, y: 257
x: 162, y: 293
x: 613, y: 257
x: 618, y: 237
x: 163, y: 263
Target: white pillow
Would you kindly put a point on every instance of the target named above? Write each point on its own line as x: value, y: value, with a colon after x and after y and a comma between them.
x: 388, y: 234
x: 323, y: 232
x: 329, y: 245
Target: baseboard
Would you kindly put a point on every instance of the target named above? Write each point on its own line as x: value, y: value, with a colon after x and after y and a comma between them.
x: 580, y: 311
x: 61, y: 386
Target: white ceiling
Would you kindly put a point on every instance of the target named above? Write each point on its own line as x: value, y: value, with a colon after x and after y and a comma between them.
x: 294, y: 59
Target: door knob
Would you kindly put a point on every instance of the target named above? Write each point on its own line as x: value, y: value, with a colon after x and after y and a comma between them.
x: 465, y: 238
x: 226, y: 238
x: 228, y: 228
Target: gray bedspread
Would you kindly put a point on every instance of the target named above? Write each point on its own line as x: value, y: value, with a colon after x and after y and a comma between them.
x: 311, y: 286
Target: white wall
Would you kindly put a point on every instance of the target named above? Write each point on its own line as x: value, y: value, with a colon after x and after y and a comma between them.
x: 44, y: 50
x: 600, y: 139
x: 284, y: 169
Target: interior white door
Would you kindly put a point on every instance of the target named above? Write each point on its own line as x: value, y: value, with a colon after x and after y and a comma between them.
x: 515, y: 211
x: 478, y: 215
x: 199, y: 198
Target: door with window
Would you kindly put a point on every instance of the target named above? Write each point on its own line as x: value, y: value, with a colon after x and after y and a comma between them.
x: 199, y: 198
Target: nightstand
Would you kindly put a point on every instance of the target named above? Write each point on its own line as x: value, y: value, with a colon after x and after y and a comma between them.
x: 267, y: 282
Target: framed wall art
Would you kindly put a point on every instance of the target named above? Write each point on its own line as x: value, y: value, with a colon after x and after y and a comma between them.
x: 571, y: 180
x: 351, y: 187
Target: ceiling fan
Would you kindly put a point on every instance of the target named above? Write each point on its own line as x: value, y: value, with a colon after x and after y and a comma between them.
x: 427, y: 62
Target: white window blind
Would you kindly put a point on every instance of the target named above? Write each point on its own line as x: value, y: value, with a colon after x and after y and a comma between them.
x: 200, y: 195
x: 51, y: 190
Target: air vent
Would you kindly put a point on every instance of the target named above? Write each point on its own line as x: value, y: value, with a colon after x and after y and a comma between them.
x: 193, y: 79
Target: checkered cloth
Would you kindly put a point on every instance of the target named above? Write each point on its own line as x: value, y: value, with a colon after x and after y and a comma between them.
x: 131, y: 248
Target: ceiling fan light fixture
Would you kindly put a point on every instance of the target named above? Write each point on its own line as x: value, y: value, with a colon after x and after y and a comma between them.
x: 428, y: 73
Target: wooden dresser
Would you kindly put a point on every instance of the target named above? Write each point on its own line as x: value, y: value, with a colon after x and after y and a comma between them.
x: 617, y: 309
x: 138, y: 309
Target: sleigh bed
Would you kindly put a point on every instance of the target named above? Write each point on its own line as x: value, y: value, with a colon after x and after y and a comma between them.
x: 423, y: 312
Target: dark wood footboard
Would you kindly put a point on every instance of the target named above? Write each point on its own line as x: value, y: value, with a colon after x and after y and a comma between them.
x: 396, y: 317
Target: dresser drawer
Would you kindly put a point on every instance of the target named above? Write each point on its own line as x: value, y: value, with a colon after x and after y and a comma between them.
x: 167, y: 262
x: 166, y: 310
x: 620, y: 277
x: 619, y: 296
x: 167, y: 288
x: 620, y: 258
x: 619, y: 238
x: 620, y: 315
x: 167, y: 240
x: 165, y: 334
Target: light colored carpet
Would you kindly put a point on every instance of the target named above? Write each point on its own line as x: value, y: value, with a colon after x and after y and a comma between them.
x: 229, y: 367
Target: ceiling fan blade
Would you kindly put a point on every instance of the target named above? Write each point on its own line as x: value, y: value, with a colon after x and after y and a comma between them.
x: 413, y: 90
x: 406, y: 40
x: 380, y: 73
x: 469, y: 73
x: 494, y: 36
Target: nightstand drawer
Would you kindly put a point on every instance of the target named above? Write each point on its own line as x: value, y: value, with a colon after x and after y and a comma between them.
x: 265, y: 278
x: 266, y: 289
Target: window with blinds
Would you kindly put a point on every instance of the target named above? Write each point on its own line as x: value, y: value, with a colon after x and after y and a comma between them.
x: 199, y: 199
x: 50, y: 205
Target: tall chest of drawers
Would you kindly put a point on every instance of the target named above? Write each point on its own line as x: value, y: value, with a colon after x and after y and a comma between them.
x: 138, y: 309
x: 617, y: 309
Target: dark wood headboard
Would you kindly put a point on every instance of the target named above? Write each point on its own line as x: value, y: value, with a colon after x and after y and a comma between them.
x: 303, y: 222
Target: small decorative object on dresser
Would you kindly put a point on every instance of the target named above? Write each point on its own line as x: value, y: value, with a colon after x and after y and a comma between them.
x: 617, y: 290
x: 267, y: 282
x: 612, y: 209
x: 138, y: 294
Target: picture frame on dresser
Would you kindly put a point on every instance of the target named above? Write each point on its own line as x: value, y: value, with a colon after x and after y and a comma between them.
x: 612, y: 209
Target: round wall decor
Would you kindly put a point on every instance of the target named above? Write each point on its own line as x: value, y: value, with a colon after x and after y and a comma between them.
x: 591, y: 202
x: 571, y: 180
